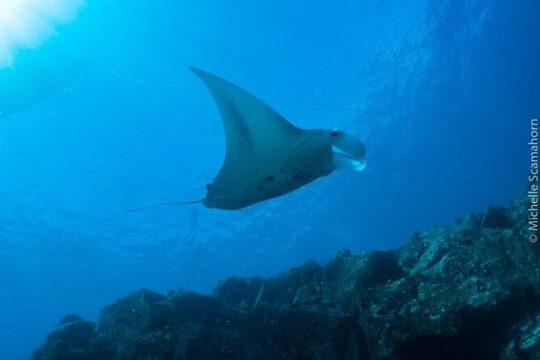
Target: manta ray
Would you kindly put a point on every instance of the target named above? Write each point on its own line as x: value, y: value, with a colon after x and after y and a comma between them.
x: 267, y: 156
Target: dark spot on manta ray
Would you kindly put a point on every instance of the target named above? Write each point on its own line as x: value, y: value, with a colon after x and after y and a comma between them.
x: 261, y: 188
x: 269, y: 179
x: 334, y: 133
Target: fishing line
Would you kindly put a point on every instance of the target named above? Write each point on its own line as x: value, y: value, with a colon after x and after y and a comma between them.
x: 350, y: 109
x: 124, y: 77
x: 170, y: 203
x: 191, y: 236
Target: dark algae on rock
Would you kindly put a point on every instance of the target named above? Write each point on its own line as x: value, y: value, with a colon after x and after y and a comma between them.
x: 470, y: 290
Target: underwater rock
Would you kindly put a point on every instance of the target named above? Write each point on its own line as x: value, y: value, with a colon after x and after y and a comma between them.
x: 146, y: 325
x: 496, y: 217
x: 465, y: 291
x: 75, y: 339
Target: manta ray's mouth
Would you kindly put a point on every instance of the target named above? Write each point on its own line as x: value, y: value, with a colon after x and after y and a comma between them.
x: 28, y: 23
x: 358, y: 165
x: 345, y: 161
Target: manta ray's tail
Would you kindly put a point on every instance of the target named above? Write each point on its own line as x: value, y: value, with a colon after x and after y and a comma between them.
x: 166, y: 204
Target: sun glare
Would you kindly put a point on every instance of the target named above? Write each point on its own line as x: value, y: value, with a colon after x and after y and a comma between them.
x: 28, y: 23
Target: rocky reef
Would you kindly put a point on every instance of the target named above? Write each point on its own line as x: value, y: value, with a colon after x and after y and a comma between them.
x: 470, y: 290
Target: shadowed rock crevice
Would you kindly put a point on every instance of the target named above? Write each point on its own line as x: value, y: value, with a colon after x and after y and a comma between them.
x: 483, y: 334
x: 465, y: 291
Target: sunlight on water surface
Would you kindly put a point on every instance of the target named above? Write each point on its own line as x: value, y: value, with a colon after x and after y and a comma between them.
x: 28, y: 23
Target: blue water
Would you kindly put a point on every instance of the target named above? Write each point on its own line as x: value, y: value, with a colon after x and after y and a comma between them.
x: 110, y: 118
